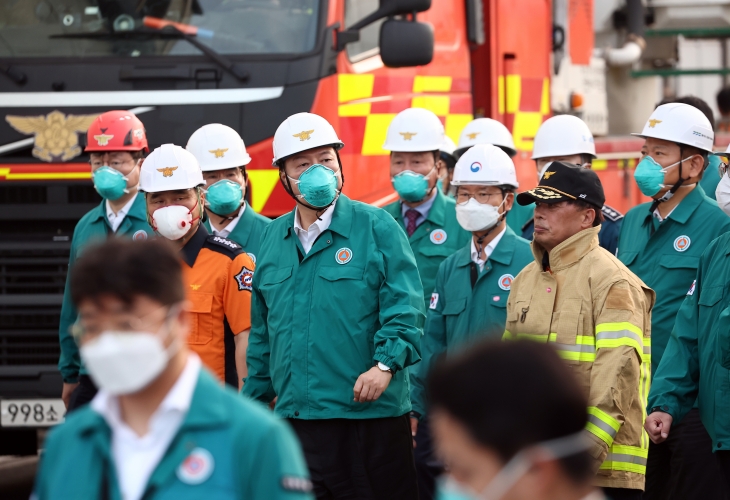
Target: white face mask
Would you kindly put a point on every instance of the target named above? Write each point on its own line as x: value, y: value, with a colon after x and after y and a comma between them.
x: 123, y: 362
x: 172, y: 222
x: 722, y: 194
x: 475, y: 216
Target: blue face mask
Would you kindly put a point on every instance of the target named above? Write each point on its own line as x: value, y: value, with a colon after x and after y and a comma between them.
x: 317, y: 185
x: 224, y: 197
x: 109, y: 183
x: 411, y: 186
x: 649, y: 175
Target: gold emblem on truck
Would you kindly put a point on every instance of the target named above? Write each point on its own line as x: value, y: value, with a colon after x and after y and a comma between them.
x: 55, y: 134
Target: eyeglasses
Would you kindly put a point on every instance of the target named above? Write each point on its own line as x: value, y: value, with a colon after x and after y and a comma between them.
x: 115, y: 163
x: 722, y: 167
x: 126, y: 324
x: 482, y: 197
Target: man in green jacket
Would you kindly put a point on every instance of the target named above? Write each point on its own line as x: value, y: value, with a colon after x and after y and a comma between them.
x: 427, y: 215
x: 336, y: 322
x: 223, y: 158
x: 161, y: 426
x: 661, y: 242
x: 470, y: 298
x: 116, y: 143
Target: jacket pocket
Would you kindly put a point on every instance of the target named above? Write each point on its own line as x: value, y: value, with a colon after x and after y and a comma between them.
x: 722, y: 338
x: 443, y: 250
x: 627, y: 258
x: 570, y: 327
x: 677, y: 262
x: 710, y: 295
x: 273, y: 286
x: 202, y: 324
x: 454, y: 307
x: 335, y: 274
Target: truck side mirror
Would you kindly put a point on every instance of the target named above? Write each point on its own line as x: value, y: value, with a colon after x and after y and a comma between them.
x: 405, y: 43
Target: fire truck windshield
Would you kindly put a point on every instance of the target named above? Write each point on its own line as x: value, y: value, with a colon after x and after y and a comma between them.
x: 57, y: 28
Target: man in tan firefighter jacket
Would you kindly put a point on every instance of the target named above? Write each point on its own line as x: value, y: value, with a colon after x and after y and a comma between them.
x: 596, y: 313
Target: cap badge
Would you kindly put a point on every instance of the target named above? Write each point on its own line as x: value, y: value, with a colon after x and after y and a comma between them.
x: 475, y: 167
x: 407, y: 136
x: 548, y: 174
x: 682, y: 243
x: 218, y: 152
x: 103, y: 139
x: 343, y: 255
x: 304, y: 135
x: 167, y: 171
x: 505, y: 281
x: 544, y: 194
x: 438, y: 236
x: 653, y: 122
x: 472, y: 136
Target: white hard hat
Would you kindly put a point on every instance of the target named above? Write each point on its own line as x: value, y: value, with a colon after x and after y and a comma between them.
x: 217, y: 147
x: 680, y: 123
x: 448, y: 146
x: 563, y: 135
x: 415, y: 130
x: 169, y: 168
x: 486, y: 165
x: 723, y: 153
x: 487, y: 131
x: 301, y: 132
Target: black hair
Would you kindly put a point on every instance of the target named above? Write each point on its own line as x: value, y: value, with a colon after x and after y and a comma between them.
x: 584, y: 205
x: 512, y: 395
x: 126, y: 269
x: 723, y: 100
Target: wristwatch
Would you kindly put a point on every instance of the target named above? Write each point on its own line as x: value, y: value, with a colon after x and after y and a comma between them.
x: 384, y: 368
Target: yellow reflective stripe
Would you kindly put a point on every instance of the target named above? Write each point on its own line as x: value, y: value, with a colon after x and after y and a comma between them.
x: 602, y: 425
x: 604, y: 417
x: 626, y: 458
x: 524, y: 336
x: 584, y: 348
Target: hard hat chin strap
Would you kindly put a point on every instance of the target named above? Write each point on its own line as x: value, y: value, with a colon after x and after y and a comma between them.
x: 318, y: 210
x: 668, y: 195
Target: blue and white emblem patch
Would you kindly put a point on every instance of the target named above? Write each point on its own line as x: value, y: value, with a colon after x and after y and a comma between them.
x: 244, y: 279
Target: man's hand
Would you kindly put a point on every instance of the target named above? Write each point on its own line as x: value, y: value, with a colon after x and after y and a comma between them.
x: 66, y: 392
x: 658, y: 425
x: 414, y: 429
x: 371, y: 384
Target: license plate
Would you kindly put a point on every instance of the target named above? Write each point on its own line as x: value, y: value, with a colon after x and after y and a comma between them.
x: 31, y: 412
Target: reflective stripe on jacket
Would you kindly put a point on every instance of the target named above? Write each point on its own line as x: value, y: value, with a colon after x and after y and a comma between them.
x: 597, y: 315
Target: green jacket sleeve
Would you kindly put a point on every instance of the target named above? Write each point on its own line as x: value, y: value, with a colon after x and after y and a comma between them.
x: 676, y: 381
x: 280, y: 472
x: 69, y: 362
x: 398, y: 342
x: 258, y: 384
x: 433, y: 343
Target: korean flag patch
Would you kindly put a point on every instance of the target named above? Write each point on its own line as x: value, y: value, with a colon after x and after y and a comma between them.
x: 691, y: 290
x: 244, y: 279
x: 434, y: 301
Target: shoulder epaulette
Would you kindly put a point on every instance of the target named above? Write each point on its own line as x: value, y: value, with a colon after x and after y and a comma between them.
x: 611, y: 213
x: 527, y: 224
x: 223, y: 245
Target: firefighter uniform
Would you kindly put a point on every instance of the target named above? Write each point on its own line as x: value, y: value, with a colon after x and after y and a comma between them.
x: 597, y: 315
x: 93, y: 227
x: 218, y: 276
x: 226, y: 448
x: 460, y: 314
x: 696, y: 363
x: 247, y: 232
x: 666, y: 256
x: 607, y: 237
x: 437, y: 237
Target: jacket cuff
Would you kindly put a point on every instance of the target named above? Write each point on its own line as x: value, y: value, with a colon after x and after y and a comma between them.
x: 70, y: 379
x: 388, y: 361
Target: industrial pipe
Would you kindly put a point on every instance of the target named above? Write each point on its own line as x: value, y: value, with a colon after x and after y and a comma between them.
x: 635, y: 43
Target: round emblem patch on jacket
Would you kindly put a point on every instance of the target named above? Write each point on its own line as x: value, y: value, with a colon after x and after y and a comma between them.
x: 197, y: 467
x: 140, y: 235
x: 252, y: 257
x: 343, y: 255
x: 682, y: 243
x: 505, y: 281
x: 438, y: 236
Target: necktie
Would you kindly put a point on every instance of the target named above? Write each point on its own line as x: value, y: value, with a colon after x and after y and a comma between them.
x: 411, y: 216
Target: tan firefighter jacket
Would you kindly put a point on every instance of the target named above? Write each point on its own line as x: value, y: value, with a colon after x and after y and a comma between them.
x: 597, y: 314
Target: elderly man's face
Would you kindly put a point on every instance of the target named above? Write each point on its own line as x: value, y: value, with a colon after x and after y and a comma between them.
x: 556, y: 222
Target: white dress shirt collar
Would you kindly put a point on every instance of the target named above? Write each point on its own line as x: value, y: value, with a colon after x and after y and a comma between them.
x: 115, y: 219
x: 487, y: 250
x: 423, y: 209
x: 308, y: 236
x: 231, y: 225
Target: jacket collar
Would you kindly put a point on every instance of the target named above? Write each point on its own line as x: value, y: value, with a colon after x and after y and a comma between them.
x: 192, y: 248
x: 502, y: 253
x: 437, y: 213
x: 569, y: 251
x: 341, y: 219
x: 688, y: 205
x: 138, y: 210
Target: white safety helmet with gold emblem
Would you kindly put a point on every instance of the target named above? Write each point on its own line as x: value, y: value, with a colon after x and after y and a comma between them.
x: 170, y: 168
x: 486, y: 131
x: 301, y: 132
x: 486, y: 165
x: 415, y: 130
x: 680, y: 123
x: 218, y: 147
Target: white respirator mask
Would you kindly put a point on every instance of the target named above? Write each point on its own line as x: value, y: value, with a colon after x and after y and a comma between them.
x: 722, y: 194
x: 125, y: 362
x: 173, y: 222
x: 474, y: 216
